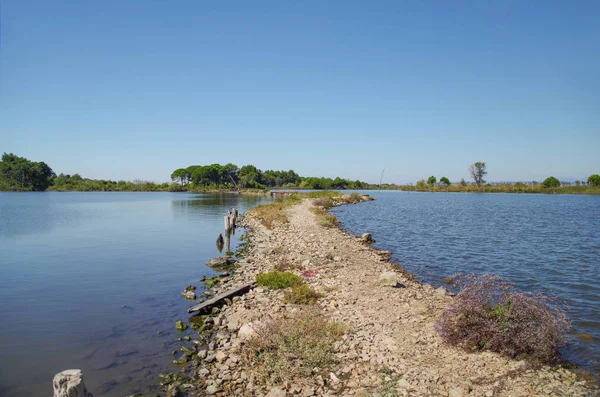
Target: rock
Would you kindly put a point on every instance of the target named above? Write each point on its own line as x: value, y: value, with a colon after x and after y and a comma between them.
x: 189, y: 294
x: 456, y: 391
x: 308, y: 391
x: 367, y: 238
x: 246, y: 331
x: 69, y: 383
x: 276, y: 392
x: 220, y: 356
x: 202, y: 354
x: 221, y: 263
x: 441, y: 291
x: 388, y: 279
x: 337, y: 258
x: 212, y: 389
x: 233, y: 325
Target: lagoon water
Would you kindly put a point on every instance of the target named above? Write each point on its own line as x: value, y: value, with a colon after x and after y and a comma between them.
x: 93, y: 281
x: 541, y: 243
x: 88, y: 280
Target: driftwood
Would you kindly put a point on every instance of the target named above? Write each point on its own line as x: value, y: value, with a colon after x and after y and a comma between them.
x: 219, y: 299
x: 69, y: 383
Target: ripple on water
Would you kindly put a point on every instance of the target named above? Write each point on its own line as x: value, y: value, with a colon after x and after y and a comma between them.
x: 541, y: 243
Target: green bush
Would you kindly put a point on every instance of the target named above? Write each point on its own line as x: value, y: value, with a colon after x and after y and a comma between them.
x: 551, y: 182
x: 278, y: 280
x: 301, y: 294
x: 594, y: 180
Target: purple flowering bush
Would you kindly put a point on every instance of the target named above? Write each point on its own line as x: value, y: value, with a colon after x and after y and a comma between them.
x: 490, y: 314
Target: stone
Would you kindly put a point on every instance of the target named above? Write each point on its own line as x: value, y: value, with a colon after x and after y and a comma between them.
x: 441, y: 291
x: 246, y: 332
x: 189, y: 294
x: 69, y: 383
x: 367, y: 238
x: 220, y: 356
x: 212, y: 389
x: 388, y: 279
x: 221, y: 263
x: 456, y: 391
x: 276, y: 392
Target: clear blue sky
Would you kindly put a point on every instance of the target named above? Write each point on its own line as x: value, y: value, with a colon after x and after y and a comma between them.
x: 134, y: 89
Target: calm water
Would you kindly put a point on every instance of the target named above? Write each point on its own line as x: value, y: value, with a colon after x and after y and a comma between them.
x: 89, y: 279
x: 541, y: 243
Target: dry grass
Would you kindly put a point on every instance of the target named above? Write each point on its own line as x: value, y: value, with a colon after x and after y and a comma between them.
x: 291, y: 348
x: 285, y: 265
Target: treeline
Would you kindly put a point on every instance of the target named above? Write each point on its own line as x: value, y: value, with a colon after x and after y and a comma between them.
x: 20, y: 174
x: 218, y: 176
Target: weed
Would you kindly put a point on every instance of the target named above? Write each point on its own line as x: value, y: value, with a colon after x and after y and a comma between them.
x: 291, y: 348
x: 489, y: 314
x: 285, y: 265
x: 301, y: 294
x: 278, y: 280
x: 324, y: 202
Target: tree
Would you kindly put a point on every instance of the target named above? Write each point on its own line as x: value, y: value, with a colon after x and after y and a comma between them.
x: 431, y: 180
x: 463, y: 182
x: 594, y: 180
x: 182, y: 175
x: 18, y: 173
x: 421, y: 184
x: 445, y: 181
x: 478, y: 171
x: 551, y: 182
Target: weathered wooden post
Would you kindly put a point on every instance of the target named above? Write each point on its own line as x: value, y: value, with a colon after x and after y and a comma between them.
x: 69, y: 383
x: 227, y: 221
x: 228, y: 240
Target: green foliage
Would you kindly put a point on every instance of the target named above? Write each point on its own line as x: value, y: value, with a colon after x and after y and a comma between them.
x: 463, y: 182
x: 181, y: 175
x: 594, y: 180
x: 431, y: 180
x: 278, y: 280
x: 551, y: 182
x: 301, y: 294
x: 445, y: 181
x: 18, y: 173
x: 421, y: 184
x: 76, y: 182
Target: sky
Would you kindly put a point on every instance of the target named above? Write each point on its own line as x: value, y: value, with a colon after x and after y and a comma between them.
x: 135, y: 89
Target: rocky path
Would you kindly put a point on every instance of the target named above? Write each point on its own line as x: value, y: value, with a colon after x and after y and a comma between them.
x: 391, y: 348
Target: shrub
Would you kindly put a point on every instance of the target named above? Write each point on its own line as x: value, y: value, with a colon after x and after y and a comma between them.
x: 278, y: 280
x: 325, y: 202
x: 328, y: 220
x: 489, y: 314
x: 285, y: 265
x: 594, y: 180
x: 290, y: 348
x: 301, y: 294
x: 551, y: 182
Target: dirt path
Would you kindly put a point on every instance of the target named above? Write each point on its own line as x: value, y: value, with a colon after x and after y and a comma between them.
x: 391, y: 349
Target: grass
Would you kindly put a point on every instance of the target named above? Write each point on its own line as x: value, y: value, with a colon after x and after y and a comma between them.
x: 274, y: 213
x: 291, y: 348
x: 278, y: 280
x: 285, y: 265
x: 489, y: 314
x: 504, y: 188
x: 301, y: 294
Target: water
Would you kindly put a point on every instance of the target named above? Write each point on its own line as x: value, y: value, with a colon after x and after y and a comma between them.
x: 88, y: 280
x: 541, y: 243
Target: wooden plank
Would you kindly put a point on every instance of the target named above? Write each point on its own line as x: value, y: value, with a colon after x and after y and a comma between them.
x: 217, y: 300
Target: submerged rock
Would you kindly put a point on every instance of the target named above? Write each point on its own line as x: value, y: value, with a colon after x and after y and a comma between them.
x: 221, y: 263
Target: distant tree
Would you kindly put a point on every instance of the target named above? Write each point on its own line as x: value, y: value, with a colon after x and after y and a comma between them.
x: 445, y: 181
x: 551, y: 182
x: 431, y: 180
x: 181, y: 175
x: 463, y: 182
x: 478, y: 171
x: 594, y: 180
x: 421, y: 184
x: 18, y: 173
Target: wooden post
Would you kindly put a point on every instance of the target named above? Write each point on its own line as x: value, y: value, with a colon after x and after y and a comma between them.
x: 227, y: 220
x: 69, y: 383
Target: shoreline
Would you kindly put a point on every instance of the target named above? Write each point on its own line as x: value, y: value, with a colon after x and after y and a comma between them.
x: 390, y: 345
